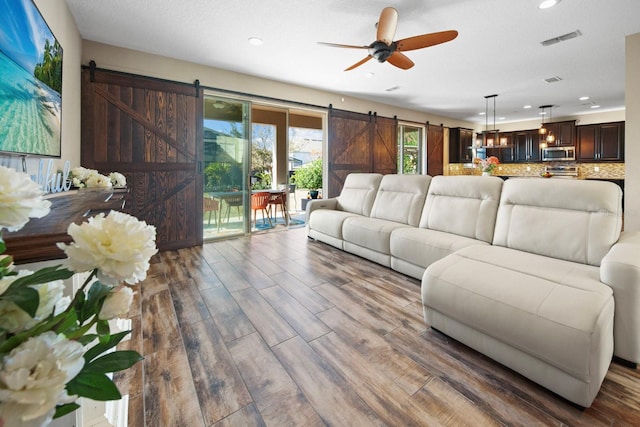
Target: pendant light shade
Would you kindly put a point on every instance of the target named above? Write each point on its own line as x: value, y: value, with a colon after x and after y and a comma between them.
x: 546, y: 136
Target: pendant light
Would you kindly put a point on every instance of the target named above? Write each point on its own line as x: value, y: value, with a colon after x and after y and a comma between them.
x: 489, y: 137
x: 546, y: 136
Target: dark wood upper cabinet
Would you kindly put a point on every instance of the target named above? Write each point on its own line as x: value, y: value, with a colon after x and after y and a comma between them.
x: 527, y: 146
x: 460, y: 143
x: 564, y: 132
x: 603, y: 142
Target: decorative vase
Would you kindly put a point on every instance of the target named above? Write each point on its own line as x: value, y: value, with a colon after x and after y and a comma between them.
x: 313, y: 194
x: 486, y: 173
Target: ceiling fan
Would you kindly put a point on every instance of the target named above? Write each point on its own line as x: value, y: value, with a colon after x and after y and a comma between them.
x: 385, y: 49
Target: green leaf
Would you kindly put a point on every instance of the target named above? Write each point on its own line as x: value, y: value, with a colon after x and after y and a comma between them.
x: 100, y: 348
x: 6, y: 261
x: 44, y: 275
x: 3, y: 247
x: 113, y: 362
x: 87, y: 339
x: 68, y: 323
x: 102, y: 328
x: 62, y: 410
x: 95, y: 296
x: 26, y: 298
x: 94, y: 386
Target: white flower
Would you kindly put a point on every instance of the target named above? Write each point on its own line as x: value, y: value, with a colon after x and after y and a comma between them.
x: 117, y: 303
x: 20, y: 199
x: 34, y: 374
x: 77, y: 183
x: 11, y: 415
x: 82, y: 173
x: 117, y: 179
x: 118, y: 246
x: 96, y: 180
x: 13, y: 319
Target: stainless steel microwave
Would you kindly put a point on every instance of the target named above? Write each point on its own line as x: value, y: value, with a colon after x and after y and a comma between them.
x: 553, y: 153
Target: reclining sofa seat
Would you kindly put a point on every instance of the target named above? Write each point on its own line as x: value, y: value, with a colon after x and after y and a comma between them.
x: 356, y: 198
x: 459, y: 211
x: 398, y: 203
x: 534, y: 300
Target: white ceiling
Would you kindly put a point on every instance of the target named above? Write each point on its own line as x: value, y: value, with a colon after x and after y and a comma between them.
x: 498, y: 49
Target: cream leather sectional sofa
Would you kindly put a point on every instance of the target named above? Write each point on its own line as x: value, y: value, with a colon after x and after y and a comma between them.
x: 533, y: 272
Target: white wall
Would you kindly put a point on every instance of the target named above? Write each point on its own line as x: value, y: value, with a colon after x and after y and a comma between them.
x: 57, y: 15
x: 135, y: 62
x: 632, y: 134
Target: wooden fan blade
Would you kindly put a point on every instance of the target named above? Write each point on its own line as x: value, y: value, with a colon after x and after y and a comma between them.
x: 349, y: 46
x: 387, y: 25
x: 359, y: 63
x: 425, y: 40
x: 400, y: 60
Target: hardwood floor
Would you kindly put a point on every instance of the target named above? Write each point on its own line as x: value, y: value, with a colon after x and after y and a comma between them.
x: 280, y: 330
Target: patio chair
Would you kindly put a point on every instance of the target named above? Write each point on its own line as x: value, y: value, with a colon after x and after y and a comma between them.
x: 279, y: 199
x: 260, y: 201
x: 233, y: 201
x: 211, y: 205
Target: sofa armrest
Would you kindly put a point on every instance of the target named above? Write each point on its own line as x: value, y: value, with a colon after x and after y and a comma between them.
x: 620, y: 269
x: 314, y: 204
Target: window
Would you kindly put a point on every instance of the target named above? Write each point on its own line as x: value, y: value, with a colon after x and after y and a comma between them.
x: 410, y: 148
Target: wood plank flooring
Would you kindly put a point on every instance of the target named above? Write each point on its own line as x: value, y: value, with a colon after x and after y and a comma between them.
x: 279, y: 330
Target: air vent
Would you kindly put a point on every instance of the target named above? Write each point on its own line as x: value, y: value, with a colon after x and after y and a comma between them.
x: 393, y: 88
x: 562, y: 38
x: 553, y: 79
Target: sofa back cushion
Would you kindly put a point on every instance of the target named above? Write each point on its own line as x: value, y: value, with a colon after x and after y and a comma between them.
x: 574, y: 220
x: 463, y: 205
x: 359, y: 192
x: 400, y: 198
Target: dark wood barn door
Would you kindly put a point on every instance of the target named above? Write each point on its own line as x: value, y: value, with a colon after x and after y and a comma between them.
x: 435, y: 150
x: 148, y: 130
x: 359, y: 143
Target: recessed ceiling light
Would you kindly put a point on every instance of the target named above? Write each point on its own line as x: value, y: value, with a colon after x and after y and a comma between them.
x: 583, y: 98
x: 595, y: 106
x: 369, y: 75
x: 546, y: 4
x: 526, y: 107
x: 501, y: 118
x: 542, y: 113
x: 482, y: 113
x: 255, y: 41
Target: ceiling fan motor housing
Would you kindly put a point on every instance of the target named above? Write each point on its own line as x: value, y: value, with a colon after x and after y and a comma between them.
x: 381, y: 51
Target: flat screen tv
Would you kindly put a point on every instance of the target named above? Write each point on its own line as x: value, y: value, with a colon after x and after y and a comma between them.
x: 30, y: 82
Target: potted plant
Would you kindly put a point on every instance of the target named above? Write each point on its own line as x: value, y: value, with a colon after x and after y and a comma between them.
x: 309, y: 176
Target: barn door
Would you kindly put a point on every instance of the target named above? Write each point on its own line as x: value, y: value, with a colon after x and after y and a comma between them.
x: 435, y: 150
x: 148, y: 129
x: 359, y: 143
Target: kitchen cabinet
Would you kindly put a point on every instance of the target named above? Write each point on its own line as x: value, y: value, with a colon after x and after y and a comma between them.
x: 460, y: 143
x: 527, y: 146
x: 602, y: 142
x: 564, y: 132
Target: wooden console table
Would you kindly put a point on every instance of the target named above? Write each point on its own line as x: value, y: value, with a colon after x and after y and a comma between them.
x: 37, y: 240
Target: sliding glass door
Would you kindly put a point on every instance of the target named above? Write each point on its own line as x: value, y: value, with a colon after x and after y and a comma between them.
x: 227, y: 202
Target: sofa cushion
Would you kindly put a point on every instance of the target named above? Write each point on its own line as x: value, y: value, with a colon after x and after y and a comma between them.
x: 358, y: 193
x: 554, y: 310
x: 328, y: 222
x: 573, y: 220
x: 423, y: 247
x: 462, y: 205
x: 371, y: 233
x: 400, y: 198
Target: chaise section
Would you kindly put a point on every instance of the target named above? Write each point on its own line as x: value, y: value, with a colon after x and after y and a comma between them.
x: 534, y: 300
x: 325, y: 217
x: 459, y: 211
x: 398, y: 203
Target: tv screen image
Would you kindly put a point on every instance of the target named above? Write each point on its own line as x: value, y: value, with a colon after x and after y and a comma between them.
x: 30, y: 82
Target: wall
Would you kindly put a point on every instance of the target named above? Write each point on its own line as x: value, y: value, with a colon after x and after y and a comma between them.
x: 57, y: 15
x: 632, y: 133
x: 135, y: 62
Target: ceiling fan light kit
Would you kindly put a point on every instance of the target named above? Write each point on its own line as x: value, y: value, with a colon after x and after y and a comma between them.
x: 384, y: 49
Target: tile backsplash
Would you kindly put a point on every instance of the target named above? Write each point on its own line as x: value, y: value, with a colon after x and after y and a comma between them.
x: 585, y: 170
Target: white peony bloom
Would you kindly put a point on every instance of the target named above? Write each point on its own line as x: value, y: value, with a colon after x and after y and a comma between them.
x: 96, y: 180
x: 117, y: 303
x: 118, y: 245
x: 117, y: 179
x: 20, y: 199
x: 82, y: 173
x: 34, y: 374
x: 13, y: 319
